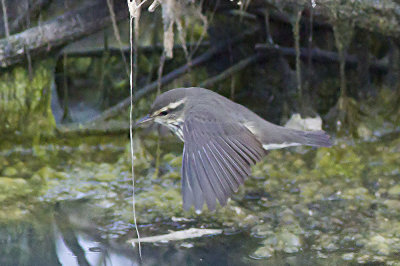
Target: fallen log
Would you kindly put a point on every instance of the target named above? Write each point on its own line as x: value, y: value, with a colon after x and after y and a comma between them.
x: 374, y: 16
x: 55, y: 33
x: 108, y: 128
x: 381, y: 17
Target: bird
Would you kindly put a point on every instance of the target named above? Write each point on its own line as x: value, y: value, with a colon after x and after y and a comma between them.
x: 222, y: 140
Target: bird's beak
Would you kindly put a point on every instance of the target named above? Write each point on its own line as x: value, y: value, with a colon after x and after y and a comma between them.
x: 143, y: 120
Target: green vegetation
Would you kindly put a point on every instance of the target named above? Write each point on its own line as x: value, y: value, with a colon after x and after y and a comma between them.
x: 342, y: 201
x: 25, y: 99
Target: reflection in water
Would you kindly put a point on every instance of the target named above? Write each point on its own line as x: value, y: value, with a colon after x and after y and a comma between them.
x: 93, y: 254
x: 79, y: 241
x: 62, y: 234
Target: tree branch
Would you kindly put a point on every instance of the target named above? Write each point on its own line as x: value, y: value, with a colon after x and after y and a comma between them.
x: 31, y: 12
x: 57, y: 32
x: 318, y: 55
x: 208, y: 55
x: 230, y: 71
x: 99, y: 51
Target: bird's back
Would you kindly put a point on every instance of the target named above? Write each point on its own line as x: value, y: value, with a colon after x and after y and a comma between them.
x: 270, y: 135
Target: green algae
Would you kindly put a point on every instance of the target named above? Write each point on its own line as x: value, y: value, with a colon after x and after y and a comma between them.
x: 25, y: 100
x: 394, y: 191
x: 341, y: 201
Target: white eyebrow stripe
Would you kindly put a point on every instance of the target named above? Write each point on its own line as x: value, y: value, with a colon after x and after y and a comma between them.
x: 175, y: 104
x: 170, y: 106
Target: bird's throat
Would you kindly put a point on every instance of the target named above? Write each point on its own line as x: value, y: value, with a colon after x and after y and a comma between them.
x: 175, y: 126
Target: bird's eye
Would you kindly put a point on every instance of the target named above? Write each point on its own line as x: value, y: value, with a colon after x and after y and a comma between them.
x: 163, y: 113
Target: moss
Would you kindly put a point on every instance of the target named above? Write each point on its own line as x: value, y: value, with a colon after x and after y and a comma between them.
x: 263, y: 252
x: 394, y: 191
x: 10, y: 171
x: 340, y: 160
x: 173, y: 160
x: 334, y: 201
x: 159, y: 203
x: 393, y: 204
x: 379, y: 245
x: 11, y: 188
x: 25, y: 103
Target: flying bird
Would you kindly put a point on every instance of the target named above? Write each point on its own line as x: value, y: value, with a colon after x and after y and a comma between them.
x: 222, y: 140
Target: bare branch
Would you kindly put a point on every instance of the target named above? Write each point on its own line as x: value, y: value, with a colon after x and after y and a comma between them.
x: 55, y: 33
x: 5, y: 18
x: 31, y: 10
x: 208, y: 55
x: 318, y: 55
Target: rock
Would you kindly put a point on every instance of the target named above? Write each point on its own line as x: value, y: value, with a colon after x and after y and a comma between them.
x: 348, y: 256
x: 186, y: 245
x: 10, y: 171
x: 288, y: 242
x: 45, y: 172
x: 262, y: 230
x: 3, y: 162
x: 379, y: 244
x: 308, y: 123
x: 356, y: 193
x: 287, y: 217
x: 394, y: 191
x: 168, y: 157
x: 176, y: 162
x: 364, y: 132
x: 392, y: 204
x: 172, y: 175
x: 263, y: 252
x: 13, y: 187
x: 104, y: 177
x: 309, y: 190
x: 363, y: 259
x: 331, y: 247
x: 328, y: 242
x: 321, y: 255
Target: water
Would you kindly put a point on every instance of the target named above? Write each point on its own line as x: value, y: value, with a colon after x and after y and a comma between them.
x: 64, y: 234
x: 69, y: 203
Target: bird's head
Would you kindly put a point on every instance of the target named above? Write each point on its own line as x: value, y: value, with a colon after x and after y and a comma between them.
x: 167, y: 109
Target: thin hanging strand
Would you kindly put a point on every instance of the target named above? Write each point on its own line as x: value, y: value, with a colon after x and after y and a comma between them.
x: 131, y: 136
x: 159, y: 76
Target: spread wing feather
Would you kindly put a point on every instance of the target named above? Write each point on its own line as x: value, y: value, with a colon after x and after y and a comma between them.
x: 216, y: 158
x: 191, y: 191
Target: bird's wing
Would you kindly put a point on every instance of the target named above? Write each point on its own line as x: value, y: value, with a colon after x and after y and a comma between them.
x: 217, y: 157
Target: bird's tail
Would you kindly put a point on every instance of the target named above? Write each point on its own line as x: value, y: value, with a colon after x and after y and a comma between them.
x: 277, y: 137
x: 314, y: 138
